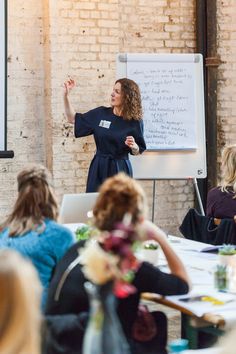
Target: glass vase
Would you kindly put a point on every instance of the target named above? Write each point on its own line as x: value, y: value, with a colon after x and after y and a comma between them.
x: 103, y: 334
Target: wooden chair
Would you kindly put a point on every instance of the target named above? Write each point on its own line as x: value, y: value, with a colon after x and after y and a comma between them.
x: 207, y: 229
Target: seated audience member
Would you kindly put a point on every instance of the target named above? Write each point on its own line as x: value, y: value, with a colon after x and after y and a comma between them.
x: 31, y: 228
x: 118, y: 196
x: 20, y: 297
x: 221, y: 200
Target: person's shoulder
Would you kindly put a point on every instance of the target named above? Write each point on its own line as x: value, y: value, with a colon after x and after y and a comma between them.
x: 100, y: 109
x: 72, y: 252
x: 54, y: 227
x: 4, y: 232
x: 137, y: 122
x: 69, y: 256
x: 145, y: 269
x: 105, y: 111
x: 97, y: 113
x: 104, y: 108
x: 74, y: 249
x: 215, y: 191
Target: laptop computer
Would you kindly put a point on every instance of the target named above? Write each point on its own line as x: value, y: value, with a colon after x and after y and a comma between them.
x: 75, y: 208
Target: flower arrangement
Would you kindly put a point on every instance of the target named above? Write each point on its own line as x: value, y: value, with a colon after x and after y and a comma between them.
x: 113, y: 258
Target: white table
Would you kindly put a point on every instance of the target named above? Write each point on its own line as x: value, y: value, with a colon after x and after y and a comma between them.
x: 200, y: 267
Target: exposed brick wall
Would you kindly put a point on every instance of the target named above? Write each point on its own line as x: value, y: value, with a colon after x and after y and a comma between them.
x: 25, y: 95
x: 49, y: 40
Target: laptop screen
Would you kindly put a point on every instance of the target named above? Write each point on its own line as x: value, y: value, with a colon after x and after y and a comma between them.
x: 76, y: 208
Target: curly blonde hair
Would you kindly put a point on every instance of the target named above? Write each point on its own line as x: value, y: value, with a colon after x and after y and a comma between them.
x: 131, y: 99
x: 228, y: 168
x: 118, y: 196
x: 35, y: 202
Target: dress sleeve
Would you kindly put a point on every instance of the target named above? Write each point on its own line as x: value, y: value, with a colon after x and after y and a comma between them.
x: 84, y: 124
x: 139, y: 138
x: 151, y: 279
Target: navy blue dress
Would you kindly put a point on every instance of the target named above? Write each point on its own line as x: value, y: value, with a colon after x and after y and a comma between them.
x: 110, y: 132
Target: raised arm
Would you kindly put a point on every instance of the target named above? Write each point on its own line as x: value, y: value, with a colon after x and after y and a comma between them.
x: 174, y: 262
x: 69, y: 110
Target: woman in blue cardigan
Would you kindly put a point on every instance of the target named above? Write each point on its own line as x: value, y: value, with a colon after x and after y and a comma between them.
x: 32, y: 228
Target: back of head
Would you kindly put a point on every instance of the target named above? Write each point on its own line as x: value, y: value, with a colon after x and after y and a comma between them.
x: 131, y: 99
x: 35, y: 201
x: 228, y: 166
x: 118, y: 196
x: 20, y: 297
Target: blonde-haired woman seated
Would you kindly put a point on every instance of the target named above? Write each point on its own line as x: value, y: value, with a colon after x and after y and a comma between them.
x: 20, y: 297
x: 32, y: 228
x: 118, y: 196
x: 221, y: 200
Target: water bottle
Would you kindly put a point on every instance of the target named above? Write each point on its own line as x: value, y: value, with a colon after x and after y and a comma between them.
x: 178, y: 345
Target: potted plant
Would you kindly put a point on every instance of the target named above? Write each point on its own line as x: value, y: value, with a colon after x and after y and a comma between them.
x: 220, y: 277
x: 227, y: 255
x: 83, y: 232
x: 150, y: 251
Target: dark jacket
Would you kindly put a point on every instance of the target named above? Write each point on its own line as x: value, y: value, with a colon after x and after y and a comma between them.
x: 201, y: 228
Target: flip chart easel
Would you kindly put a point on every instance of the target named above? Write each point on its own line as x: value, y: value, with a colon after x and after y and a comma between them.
x: 172, y: 93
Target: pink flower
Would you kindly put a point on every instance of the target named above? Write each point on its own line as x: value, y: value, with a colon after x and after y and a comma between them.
x: 123, y: 289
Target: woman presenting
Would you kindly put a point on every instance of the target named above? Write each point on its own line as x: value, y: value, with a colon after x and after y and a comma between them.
x: 117, y: 130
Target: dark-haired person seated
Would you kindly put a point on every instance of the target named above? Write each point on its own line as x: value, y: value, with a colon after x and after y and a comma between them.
x: 118, y: 196
x: 32, y: 228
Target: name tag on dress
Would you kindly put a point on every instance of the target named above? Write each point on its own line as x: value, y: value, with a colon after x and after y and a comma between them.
x: 105, y: 124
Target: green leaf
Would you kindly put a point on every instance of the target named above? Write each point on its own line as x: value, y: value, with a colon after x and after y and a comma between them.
x: 83, y: 233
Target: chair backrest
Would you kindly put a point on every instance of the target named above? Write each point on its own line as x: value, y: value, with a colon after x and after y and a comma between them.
x: 75, y: 207
x: 208, y: 229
